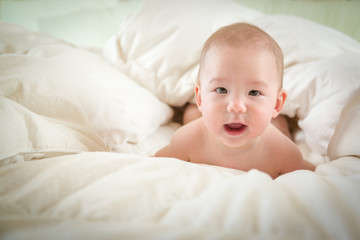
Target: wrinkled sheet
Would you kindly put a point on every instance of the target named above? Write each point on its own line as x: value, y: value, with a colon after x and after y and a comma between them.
x: 57, y: 99
x: 111, y: 195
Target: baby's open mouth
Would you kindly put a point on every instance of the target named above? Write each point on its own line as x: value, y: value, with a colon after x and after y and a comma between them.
x: 234, y: 128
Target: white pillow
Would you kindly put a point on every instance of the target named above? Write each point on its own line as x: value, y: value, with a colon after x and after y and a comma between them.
x: 318, y: 92
x: 321, y: 74
x: 345, y: 141
x: 160, y: 46
x: 304, y: 41
x: 61, y: 99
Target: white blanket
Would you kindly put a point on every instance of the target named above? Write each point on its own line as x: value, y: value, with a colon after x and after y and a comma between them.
x: 78, y: 132
x: 119, y: 196
x: 56, y: 98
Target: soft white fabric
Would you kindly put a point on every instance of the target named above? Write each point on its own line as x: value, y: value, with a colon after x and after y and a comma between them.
x: 56, y: 98
x: 345, y: 141
x: 119, y: 196
x: 152, y: 143
x: 325, y: 87
x: 304, y: 41
x: 159, y: 47
x: 321, y: 74
x: 162, y: 52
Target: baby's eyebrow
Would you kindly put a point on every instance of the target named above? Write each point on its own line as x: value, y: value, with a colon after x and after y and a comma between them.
x: 217, y: 80
x: 260, y: 83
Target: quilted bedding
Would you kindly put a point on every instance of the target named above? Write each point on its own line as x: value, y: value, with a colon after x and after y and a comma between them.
x: 79, y: 128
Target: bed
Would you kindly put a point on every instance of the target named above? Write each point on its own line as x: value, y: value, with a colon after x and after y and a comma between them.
x: 80, y: 125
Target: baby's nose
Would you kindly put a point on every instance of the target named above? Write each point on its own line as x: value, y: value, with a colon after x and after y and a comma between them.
x: 236, y: 106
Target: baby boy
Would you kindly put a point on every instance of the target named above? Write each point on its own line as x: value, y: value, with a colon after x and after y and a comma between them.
x: 238, y: 93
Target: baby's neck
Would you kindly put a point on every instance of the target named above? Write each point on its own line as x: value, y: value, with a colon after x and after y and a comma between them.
x: 250, y: 148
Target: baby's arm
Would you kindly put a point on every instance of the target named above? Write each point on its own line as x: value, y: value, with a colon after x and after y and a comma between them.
x: 289, y: 157
x: 177, y: 146
x: 295, y: 161
x: 308, y: 165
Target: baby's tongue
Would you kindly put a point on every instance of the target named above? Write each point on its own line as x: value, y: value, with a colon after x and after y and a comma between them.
x: 234, y: 126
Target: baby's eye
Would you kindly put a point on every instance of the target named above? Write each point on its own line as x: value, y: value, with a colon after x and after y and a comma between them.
x: 221, y: 90
x: 254, y: 93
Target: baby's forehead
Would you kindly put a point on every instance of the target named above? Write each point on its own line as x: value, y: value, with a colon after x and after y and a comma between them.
x: 236, y: 48
x: 207, y: 64
x: 239, y: 51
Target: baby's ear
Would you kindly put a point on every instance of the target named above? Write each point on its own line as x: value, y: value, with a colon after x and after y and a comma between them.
x: 198, y: 95
x: 280, y: 100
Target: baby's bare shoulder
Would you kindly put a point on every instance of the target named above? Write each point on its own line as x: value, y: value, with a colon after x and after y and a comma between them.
x: 185, y: 140
x: 286, y: 155
x: 188, y: 134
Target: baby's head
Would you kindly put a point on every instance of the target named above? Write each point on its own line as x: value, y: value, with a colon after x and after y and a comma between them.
x: 239, y: 88
x: 244, y: 35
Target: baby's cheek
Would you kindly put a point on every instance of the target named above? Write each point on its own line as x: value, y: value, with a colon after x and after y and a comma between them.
x: 211, y: 122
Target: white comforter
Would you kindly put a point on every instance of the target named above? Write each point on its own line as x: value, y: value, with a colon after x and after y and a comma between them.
x: 78, y: 131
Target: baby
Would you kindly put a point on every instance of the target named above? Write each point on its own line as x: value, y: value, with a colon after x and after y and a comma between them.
x: 238, y: 92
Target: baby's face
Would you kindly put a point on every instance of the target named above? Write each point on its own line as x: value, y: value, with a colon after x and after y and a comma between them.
x: 238, y: 93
